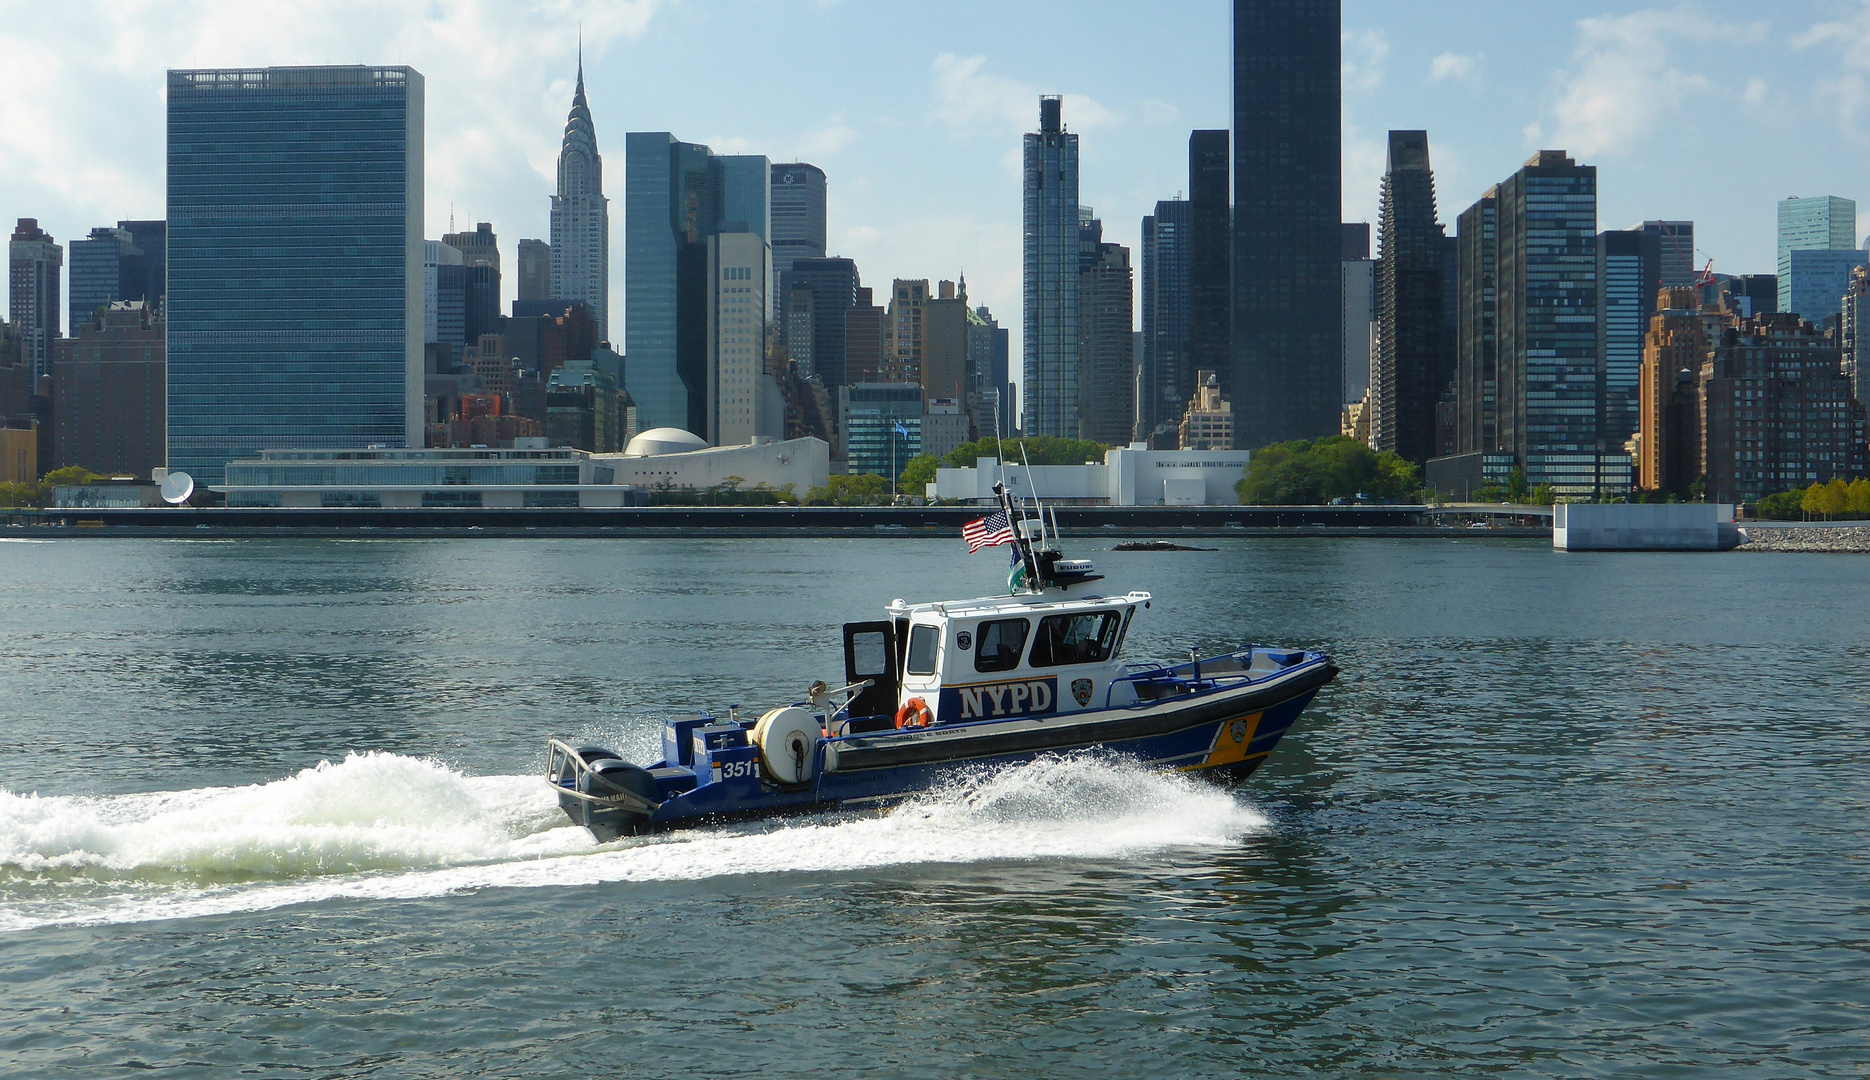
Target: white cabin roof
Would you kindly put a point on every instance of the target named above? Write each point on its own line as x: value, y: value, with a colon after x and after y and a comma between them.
x: 988, y: 606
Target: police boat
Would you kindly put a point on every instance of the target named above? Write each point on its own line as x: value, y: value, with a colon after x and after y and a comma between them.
x: 958, y: 684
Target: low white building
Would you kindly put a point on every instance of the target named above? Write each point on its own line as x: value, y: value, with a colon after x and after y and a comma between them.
x: 1128, y: 476
x: 680, y: 459
x: 530, y: 476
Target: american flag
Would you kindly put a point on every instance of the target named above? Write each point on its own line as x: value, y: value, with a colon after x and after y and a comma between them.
x: 990, y: 531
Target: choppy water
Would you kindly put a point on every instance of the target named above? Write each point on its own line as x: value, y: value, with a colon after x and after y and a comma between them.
x: 269, y: 809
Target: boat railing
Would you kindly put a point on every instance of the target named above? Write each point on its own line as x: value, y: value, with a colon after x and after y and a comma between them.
x: 564, y: 766
x: 1202, y: 674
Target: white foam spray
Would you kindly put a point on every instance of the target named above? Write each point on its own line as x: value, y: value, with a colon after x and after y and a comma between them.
x: 382, y: 826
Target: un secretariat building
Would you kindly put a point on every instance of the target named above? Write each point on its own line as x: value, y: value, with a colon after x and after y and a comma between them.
x: 295, y: 262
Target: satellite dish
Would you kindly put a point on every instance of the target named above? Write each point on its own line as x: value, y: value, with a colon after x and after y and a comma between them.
x: 177, y: 487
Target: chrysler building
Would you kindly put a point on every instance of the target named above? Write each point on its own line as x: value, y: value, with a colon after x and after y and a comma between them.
x: 581, y: 217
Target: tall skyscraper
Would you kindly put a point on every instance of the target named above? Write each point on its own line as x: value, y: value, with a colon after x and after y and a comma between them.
x: 863, y: 339
x: 295, y: 255
x: 902, y: 330
x: 743, y: 400
x: 1817, y: 281
x: 832, y: 285
x: 676, y: 196
x: 1675, y: 255
x: 106, y: 267
x: 1284, y: 376
x: 1631, y: 265
x: 436, y: 255
x: 1050, y: 275
x: 987, y: 352
x: 1477, y: 384
x: 1167, y: 261
x: 1360, y: 311
x: 1854, y: 330
x: 480, y: 282
x: 798, y: 214
x: 152, y: 239
x: 1824, y: 223
x: 33, y: 265
x: 944, y: 346
x: 1675, y: 345
x: 1210, y: 263
x: 1106, y: 340
x: 535, y: 270
x: 1414, y: 360
x: 581, y: 217
x: 1546, y: 323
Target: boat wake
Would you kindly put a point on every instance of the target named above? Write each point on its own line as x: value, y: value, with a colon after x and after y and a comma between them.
x: 383, y: 826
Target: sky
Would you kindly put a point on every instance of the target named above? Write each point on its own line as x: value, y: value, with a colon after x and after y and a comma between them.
x: 1705, y: 112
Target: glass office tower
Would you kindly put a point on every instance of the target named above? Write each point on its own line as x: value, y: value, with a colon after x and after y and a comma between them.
x: 1050, y: 275
x: 1825, y: 223
x: 676, y: 195
x: 1288, y: 279
x: 294, y: 262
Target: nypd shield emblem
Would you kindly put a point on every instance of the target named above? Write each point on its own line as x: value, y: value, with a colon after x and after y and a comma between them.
x: 1081, y: 691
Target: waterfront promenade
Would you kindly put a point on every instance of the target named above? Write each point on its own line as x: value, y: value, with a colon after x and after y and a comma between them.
x: 780, y: 521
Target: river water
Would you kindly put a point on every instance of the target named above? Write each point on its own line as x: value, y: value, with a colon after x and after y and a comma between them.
x: 270, y: 808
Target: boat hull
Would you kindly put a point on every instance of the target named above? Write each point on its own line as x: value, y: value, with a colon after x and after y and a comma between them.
x: 1222, y: 732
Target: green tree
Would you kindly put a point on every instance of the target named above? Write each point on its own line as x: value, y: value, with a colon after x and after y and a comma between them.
x: 865, y: 489
x: 1830, y: 499
x: 1543, y: 495
x: 1858, y: 505
x: 1517, y: 490
x: 1490, y: 493
x: 1782, y: 506
x: 917, y: 474
x: 1039, y: 450
x: 1308, y: 472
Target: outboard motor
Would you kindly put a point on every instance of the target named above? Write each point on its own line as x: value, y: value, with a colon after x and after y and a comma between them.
x: 612, y: 776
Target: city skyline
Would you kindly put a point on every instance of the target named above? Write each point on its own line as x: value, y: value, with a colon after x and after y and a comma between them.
x: 918, y: 132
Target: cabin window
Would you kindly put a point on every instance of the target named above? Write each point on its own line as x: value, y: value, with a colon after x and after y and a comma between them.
x: 869, y: 654
x: 922, y: 641
x: 1000, y: 644
x: 1086, y: 638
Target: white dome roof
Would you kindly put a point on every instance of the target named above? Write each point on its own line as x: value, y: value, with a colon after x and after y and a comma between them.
x: 664, y: 440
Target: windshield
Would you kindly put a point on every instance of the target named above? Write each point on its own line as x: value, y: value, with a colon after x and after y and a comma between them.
x: 1085, y: 638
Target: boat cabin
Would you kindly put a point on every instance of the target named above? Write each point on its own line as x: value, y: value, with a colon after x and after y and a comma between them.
x: 994, y: 658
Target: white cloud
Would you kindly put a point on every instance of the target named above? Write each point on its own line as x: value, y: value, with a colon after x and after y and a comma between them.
x: 973, y: 101
x: 1453, y: 66
x: 1849, y: 36
x: 827, y: 138
x: 1363, y: 57
x: 1755, y: 93
x: 82, y: 99
x: 1623, y: 81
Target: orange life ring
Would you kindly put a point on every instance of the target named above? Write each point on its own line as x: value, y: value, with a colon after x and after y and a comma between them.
x: 914, y: 713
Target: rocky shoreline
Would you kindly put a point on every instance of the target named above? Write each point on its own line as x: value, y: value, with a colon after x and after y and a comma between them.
x: 1845, y: 538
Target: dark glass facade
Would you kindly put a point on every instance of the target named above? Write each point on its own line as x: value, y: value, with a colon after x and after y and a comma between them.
x: 1476, y: 371
x: 294, y: 261
x: 106, y: 266
x: 1287, y: 332
x: 1210, y: 261
x: 1050, y: 262
x: 832, y: 285
x: 676, y: 195
x: 1629, y: 267
x: 1547, y: 355
x: 1414, y: 358
x: 1163, y: 363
